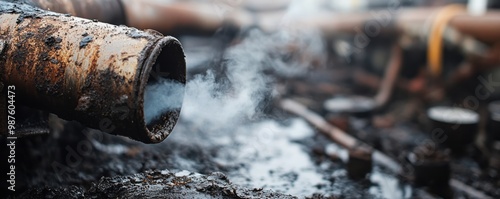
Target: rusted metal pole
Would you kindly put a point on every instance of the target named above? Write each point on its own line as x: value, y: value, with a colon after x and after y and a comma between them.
x: 337, y: 135
x: 484, y: 27
x: 389, y: 20
x: 390, y: 77
x: 92, y: 72
x: 172, y: 17
x: 109, y: 11
x: 165, y: 17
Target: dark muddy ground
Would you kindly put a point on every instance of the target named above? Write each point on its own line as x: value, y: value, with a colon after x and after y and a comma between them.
x: 286, y: 160
x: 279, y: 157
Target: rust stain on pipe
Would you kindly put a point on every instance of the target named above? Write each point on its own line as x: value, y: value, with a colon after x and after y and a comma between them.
x: 92, y: 72
x: 166, y: 17
x: 485, y: 27
x: 172, y: 17
x: 109, y: 11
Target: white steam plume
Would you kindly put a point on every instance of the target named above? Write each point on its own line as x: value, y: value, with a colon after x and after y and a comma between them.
x: 161, y: 97
x: 208, y: 103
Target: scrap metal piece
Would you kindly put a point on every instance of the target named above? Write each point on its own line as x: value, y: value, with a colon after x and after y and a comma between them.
x: 360, y: 162
x: 88, y: 71
x: 431, y: 169
x: 458, y: 125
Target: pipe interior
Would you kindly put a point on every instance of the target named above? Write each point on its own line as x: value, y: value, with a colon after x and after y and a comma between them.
x: 164, y: 91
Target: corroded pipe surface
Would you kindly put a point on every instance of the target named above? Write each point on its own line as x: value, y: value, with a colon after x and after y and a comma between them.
x: 165, y: 17
x: 172, y: 17
x: 109, y: 11
x: 88, y: 71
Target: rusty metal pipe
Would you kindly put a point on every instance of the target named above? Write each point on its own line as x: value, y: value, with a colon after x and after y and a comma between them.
x: 390, y: 77
x: 92, y: 72
x: 395, y: 19
x: 195, y: 17
x: 171, y: 17
x: 109, y: 11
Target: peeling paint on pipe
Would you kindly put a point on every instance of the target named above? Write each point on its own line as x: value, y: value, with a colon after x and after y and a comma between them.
x: 92, y: 72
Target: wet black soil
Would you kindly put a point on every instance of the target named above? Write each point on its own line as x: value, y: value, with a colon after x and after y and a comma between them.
x: 156, y: 184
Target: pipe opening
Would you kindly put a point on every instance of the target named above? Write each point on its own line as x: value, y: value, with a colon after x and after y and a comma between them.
x: 164, y: 90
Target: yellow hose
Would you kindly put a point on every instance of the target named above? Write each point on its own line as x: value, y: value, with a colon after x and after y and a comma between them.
x: 435, y: 41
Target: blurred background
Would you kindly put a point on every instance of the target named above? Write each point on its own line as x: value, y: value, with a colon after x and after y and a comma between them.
x: 290, y: 98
